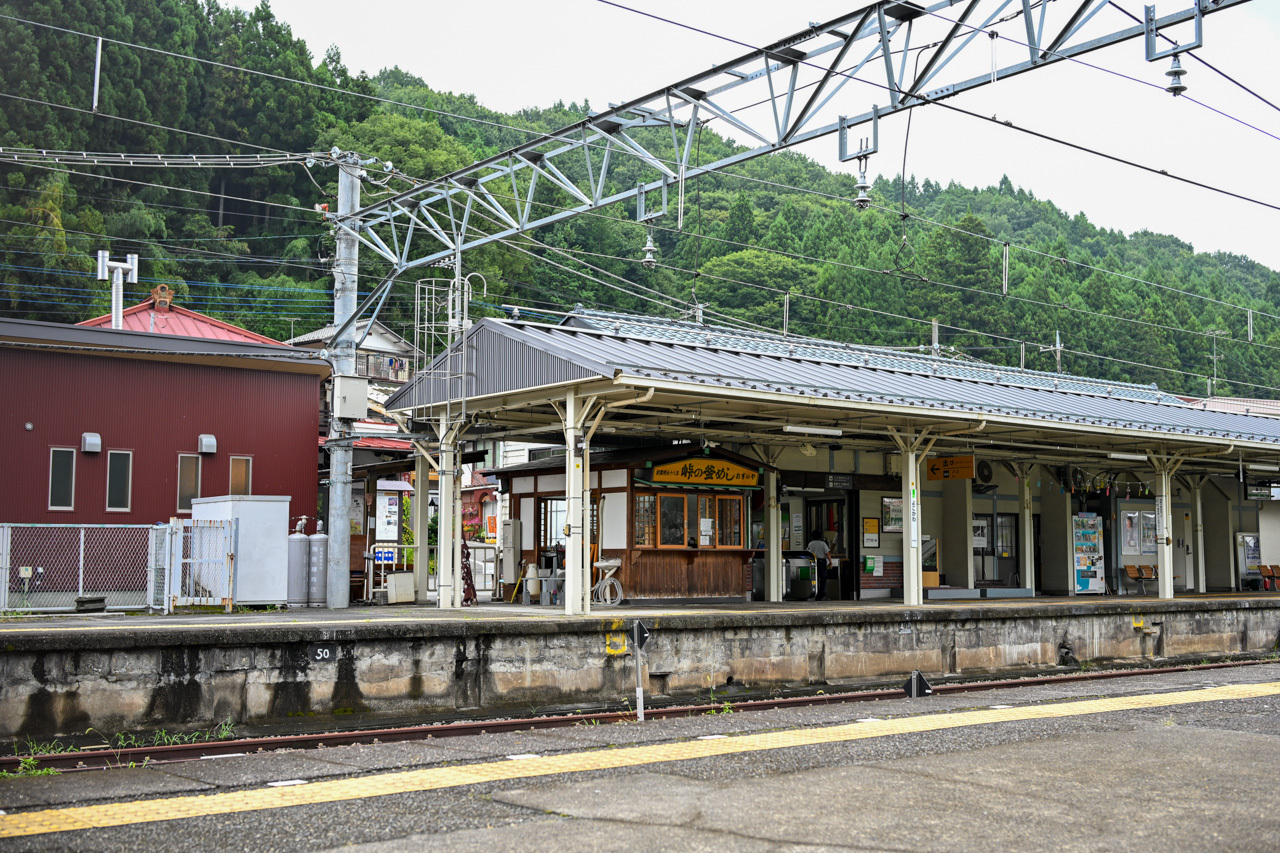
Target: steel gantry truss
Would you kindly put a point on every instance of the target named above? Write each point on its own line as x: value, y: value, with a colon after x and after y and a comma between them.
x: 824, y: 80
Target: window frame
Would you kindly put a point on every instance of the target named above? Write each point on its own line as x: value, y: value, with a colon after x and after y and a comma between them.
x: 72, y: 491
x: 128, y: 507
x: 231, y: 474
x: 199, y: 477
x: 652, y: 501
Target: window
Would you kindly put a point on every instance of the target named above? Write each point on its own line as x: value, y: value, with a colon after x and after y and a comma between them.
x: 62, y: 478
x: 730, y: 512
x: 685, y: 520
x: 241, y: 476
x: 646, y: 520
x: 119, y: 480
x: 553, y: 515
x: 188, y: 480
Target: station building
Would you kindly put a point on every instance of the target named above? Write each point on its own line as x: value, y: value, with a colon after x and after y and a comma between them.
x: 693, y: 450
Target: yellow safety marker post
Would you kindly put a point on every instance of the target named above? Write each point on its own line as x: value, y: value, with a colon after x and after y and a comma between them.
x: 435, y: 778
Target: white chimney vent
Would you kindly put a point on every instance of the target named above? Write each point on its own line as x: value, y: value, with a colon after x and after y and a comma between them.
x: 206, y: 444
x: 90, y: 442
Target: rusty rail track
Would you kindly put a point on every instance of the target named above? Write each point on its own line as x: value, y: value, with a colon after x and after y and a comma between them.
x: 102, y: 758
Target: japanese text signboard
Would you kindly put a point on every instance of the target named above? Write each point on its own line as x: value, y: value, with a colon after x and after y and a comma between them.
x: 708, y: 472
x: 950, y: 468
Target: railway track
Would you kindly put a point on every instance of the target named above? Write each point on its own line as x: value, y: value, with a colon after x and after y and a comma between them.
x: 105, y: 757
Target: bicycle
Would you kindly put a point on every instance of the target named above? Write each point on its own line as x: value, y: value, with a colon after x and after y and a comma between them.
x: 608, y: 590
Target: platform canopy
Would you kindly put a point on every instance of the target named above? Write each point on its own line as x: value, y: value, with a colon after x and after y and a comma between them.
x: 676, y: 379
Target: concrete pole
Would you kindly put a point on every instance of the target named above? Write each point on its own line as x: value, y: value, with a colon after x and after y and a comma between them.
x: 912, y: 579
x: 345, y: 283
x: 1026, y: 529
x: 1164, y: 532
x: 573, y: 508
x: 421, y: 520
x: 1197, y: 499
x: 445, y: 528
x: 773, y: 538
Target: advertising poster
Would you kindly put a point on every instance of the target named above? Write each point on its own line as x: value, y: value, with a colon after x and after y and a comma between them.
x: 1148, y: 532
x: 981, y: 533
x: 388, y: 517
x: 1130, y: 534
x: 891, y: 515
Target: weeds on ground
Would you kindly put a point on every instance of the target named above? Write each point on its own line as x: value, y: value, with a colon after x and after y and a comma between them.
x: 28, y: 767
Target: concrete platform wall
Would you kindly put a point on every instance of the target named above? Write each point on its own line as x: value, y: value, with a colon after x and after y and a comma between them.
x: 188, y: 678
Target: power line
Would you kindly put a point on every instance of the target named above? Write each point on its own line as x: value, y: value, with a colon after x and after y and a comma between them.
x: 167, y: 187
x: 1096, y: 67
x: 949, y: 106
x: 137, y: 121
x: 1196, y: 56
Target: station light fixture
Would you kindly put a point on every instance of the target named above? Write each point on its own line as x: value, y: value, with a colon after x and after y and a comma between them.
x: 813, y: 430
x: 1266, y: 469
x: 1127, y: 457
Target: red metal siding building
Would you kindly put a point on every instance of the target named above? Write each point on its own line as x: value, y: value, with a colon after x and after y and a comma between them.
x: 151, y: 397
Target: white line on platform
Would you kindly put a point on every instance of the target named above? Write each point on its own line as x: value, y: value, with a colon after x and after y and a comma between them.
x: 522, y: 756
x: 286, y: 782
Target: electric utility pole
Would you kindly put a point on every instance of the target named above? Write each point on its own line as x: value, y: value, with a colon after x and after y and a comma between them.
x: 343, y: 358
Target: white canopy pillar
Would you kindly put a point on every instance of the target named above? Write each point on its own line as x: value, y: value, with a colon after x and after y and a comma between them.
x: 1197, y: 499
x: 573, y: 580
x: 421, y: 520
x: 912, y: 571
x: 772, y: 538
x: 1026, y: 528
x: 449, y: 530
x: 1164, y: 523
x: 914, y: 448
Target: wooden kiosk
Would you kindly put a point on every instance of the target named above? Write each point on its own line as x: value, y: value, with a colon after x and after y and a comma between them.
x: 678, y: 518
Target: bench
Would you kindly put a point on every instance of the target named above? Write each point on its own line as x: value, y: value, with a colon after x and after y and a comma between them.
x: 1135, y: 574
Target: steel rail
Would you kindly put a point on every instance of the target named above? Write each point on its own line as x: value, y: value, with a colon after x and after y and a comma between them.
x: 103, y: 758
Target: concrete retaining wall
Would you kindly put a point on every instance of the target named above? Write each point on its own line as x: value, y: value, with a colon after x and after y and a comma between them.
x: 189, y: 677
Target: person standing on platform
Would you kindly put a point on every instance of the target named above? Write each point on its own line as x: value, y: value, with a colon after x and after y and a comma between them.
x: 819, y: 549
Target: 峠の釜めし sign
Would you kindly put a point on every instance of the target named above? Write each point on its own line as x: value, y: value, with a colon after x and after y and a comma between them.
x: 709, y: 472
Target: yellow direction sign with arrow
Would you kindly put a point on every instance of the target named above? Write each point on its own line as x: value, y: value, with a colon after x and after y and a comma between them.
x: 949, y: 468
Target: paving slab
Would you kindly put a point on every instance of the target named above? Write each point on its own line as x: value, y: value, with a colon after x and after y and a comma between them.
x: 88, y: 785
x: 241, y: 770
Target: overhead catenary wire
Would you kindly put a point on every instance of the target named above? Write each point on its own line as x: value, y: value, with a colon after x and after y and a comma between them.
x: 468, y: 117
x: 567, y: 139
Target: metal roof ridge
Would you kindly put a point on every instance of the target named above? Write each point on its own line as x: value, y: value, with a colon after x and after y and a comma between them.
x: 819, y: 343
x: 998, y: 371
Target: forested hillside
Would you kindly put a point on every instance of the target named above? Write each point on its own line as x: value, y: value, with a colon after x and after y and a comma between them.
x: 246, y: 244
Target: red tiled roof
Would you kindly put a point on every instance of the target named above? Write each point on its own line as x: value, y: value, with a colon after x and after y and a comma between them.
x: 369, y: 443
x: 179, y: 321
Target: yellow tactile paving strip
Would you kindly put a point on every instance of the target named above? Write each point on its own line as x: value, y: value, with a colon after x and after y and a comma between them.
x: 434, y: 778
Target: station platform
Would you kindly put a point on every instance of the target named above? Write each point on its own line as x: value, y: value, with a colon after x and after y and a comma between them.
x: 61, y: 675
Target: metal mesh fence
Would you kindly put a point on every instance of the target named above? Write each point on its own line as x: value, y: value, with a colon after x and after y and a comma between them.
x: 48, y: 566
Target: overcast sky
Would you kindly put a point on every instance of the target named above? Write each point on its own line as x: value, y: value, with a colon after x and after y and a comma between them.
x: 517, y: 54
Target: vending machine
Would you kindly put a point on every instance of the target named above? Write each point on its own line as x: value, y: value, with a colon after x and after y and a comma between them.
x: 1090, y: 567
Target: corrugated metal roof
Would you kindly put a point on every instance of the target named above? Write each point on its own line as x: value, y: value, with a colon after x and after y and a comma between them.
x: 179, y: 321
x: 925, y: 362
x: 374, y: 443
x: 323, y: 335
x: 519, y: 355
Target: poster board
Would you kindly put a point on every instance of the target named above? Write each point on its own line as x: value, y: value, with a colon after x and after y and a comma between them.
x: 1130, y: 533
x: 891, y: 515
x: 870, y: 533
x: 981, y: 534
x: 1148, y: 532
